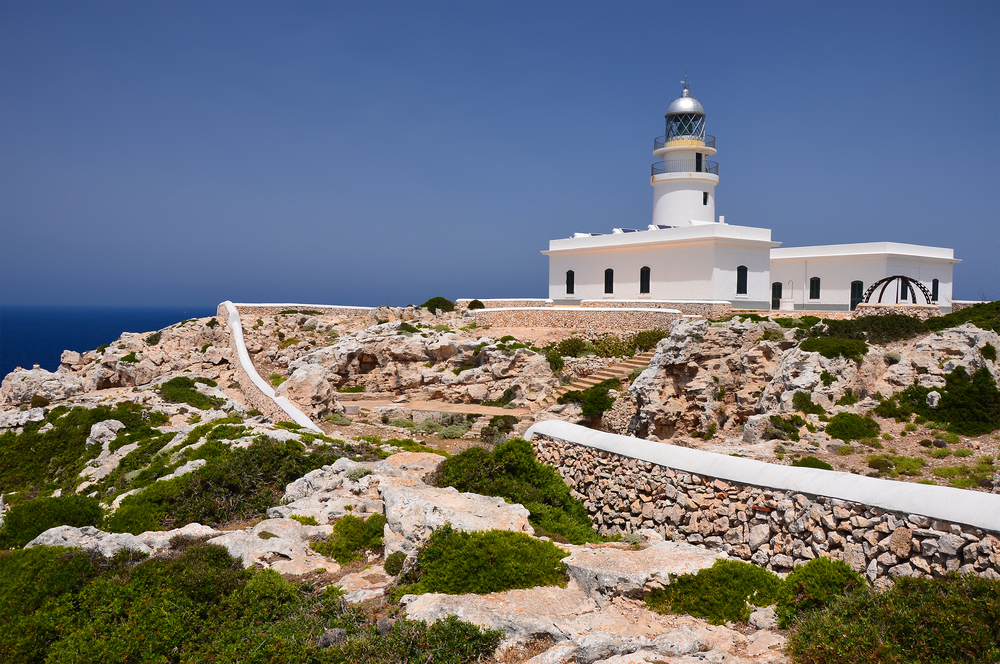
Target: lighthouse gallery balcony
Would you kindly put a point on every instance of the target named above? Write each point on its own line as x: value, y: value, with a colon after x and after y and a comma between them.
x: 661, y: 141
x: 685, y: 166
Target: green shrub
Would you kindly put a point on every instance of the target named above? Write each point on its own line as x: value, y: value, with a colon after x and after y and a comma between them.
x: 646, y: 340
x: 985, y: 316
x: 941, y: 453
x: 512, y: 472
x: 812, y: 462
x: 989, y: 352
x: 304, y: 520
x: 962, y: 453
x: 849, y: 426
x: 152, y: 339
x: 802, y: 402
x: 815, y: 585
x: 917, y: 621
x: 351, y: 537
x: 406, y: 328
x: 969, y: 406
x: 476, y: 304
x: 400, y: 422
x: 38, y: 401
x: 572, y: 347
x: 726, y: 591
x: 277, y: 379
x: 895, y: 465
x: 358, y: 472
x: 827, y: 378
x: 875, y: 329
x: 353, y: 389
x: 410, y: 445
x: 506, y: 398
x: 453, y: 431
x: 181, y: 390
x: 784, y: 428
x: 464, y: 367
x: 26, y: 521
x: 849, y: 398
x: 831, y: 347
x: 555, y: 360
x: 595, y: 399
x: 498, y: 429
x: 772, y: 334
x: 436, y: 304
x: 130, y: 358
x: 611, y: 345
x: 213, y: 323
x: 394, y: 563
x: 233, y: 485
x: 427, y: 426
x: 482, y: 562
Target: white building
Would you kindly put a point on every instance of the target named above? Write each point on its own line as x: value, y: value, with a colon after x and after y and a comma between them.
x: 687, y: 254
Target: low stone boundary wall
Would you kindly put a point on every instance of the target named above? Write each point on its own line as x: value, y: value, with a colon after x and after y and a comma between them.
x: 258, y: 393
x: 774, y: 516
x: 463, y: 303
x: 921, y: 311
x: 799, y: 313
x: 707, y: 308
x: 958, y: 305
x: 326, y: 309
x: 600, y: 319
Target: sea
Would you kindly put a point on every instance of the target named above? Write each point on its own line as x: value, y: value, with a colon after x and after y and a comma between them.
x: 32, y: 335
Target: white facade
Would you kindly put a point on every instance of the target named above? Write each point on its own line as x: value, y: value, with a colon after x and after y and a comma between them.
x: 837, y: 266
x: 688, y: 263
x: 686, y: 254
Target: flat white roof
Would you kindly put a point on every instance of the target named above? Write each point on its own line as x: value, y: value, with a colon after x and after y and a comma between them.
x: 865, y: 250
x: 661, y: 236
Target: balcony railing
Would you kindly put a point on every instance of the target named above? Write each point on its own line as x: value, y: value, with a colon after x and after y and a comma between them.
x: 661, y: 141
x: 685, y: 166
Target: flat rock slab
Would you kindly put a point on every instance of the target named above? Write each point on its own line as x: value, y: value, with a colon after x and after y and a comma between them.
x: 575, y: 621
x: 604, y: 572
x: 364, y: 585
x: 279, y: 544
x: 108, y: 544
x: 413, y: 512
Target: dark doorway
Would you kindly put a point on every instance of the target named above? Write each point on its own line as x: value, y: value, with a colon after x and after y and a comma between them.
x: 570, y: 282
x: 857, y: 294
x: 776, y: 295
x: 609, y: 281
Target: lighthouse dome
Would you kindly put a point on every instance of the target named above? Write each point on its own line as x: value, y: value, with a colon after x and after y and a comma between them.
x: 685, y: 104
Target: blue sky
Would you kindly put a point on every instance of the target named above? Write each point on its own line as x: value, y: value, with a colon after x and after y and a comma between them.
x: 184, y: 153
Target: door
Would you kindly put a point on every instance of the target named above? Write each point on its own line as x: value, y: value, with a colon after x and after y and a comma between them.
x: 776, y: 295
x: 857, y: 293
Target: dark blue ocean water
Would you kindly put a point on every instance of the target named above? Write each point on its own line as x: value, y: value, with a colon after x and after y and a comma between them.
x: 39, y: 335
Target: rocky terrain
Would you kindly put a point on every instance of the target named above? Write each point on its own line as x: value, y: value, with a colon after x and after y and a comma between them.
x: 713, y: 385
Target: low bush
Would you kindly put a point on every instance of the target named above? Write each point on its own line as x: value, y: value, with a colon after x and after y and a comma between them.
x: 130, y: 358
x: 400, y: 422
x: 427, y: 427
x: 812, y: 462
x: 182, y: 390
x: 351, y: 538
x: 506, y: 398
x: 827, y: 378
x: 338, y: 418
x: 482, y: 562
x: 436, y: 304
x: 784, y: 428
x: 555, y: 360
x: 969, y: 405
x: 917, y: 621
x: 725, y: 592
x: 989, y: 352
x: 406, y: 328
x: 498, y: 429
x: 304, y: 520
x: 895, y: 465
x: 573, y: 347
x: 453, y: 431
x: 831, y: 347
x: 849, y: 398
x: 803, y: 402
x: 512, y: 472
x: 26, y: 521
x: 353, y: 389
x: 773, y: 335
x: 394, y: 563
x: 595, y: 399
x: 849, y: 426
x: 611, y: 345
x: 646, y: 340
x: 815, y: 585
x: 985, y: 316
x: 232, y: 486
x: 476, y: 304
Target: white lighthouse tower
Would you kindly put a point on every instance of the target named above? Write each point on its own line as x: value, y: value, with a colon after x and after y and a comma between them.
x: 684, y: 182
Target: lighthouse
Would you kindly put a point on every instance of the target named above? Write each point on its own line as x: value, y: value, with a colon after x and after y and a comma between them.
x: 684, y: 181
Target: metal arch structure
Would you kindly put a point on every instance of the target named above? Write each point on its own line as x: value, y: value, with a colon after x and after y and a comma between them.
x: 907, y: 282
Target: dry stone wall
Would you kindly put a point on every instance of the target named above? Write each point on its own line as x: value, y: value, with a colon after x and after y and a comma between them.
x: 921, y: 311
x: 770, y: 528
x: 595, y: 319
x: 463, y: 303
x: 708, y: 309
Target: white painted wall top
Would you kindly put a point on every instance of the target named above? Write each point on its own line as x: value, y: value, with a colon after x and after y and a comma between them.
x: 700, y: 233
x: 865, y: 250
x: 973, y: 508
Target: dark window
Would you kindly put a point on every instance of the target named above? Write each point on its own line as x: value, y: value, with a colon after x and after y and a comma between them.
x: 776, y: 295
x: 697, y: 162
x: 704, y: 198
x: 857, y: 294
x: 814, y: 288
x: 934, y: 290
x: 570, y: 282
x: 609, y: 281
x: 644, y: 280
x: 741, y: 280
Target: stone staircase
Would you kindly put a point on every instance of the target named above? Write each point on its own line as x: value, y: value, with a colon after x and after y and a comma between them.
x: 621, y: 371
